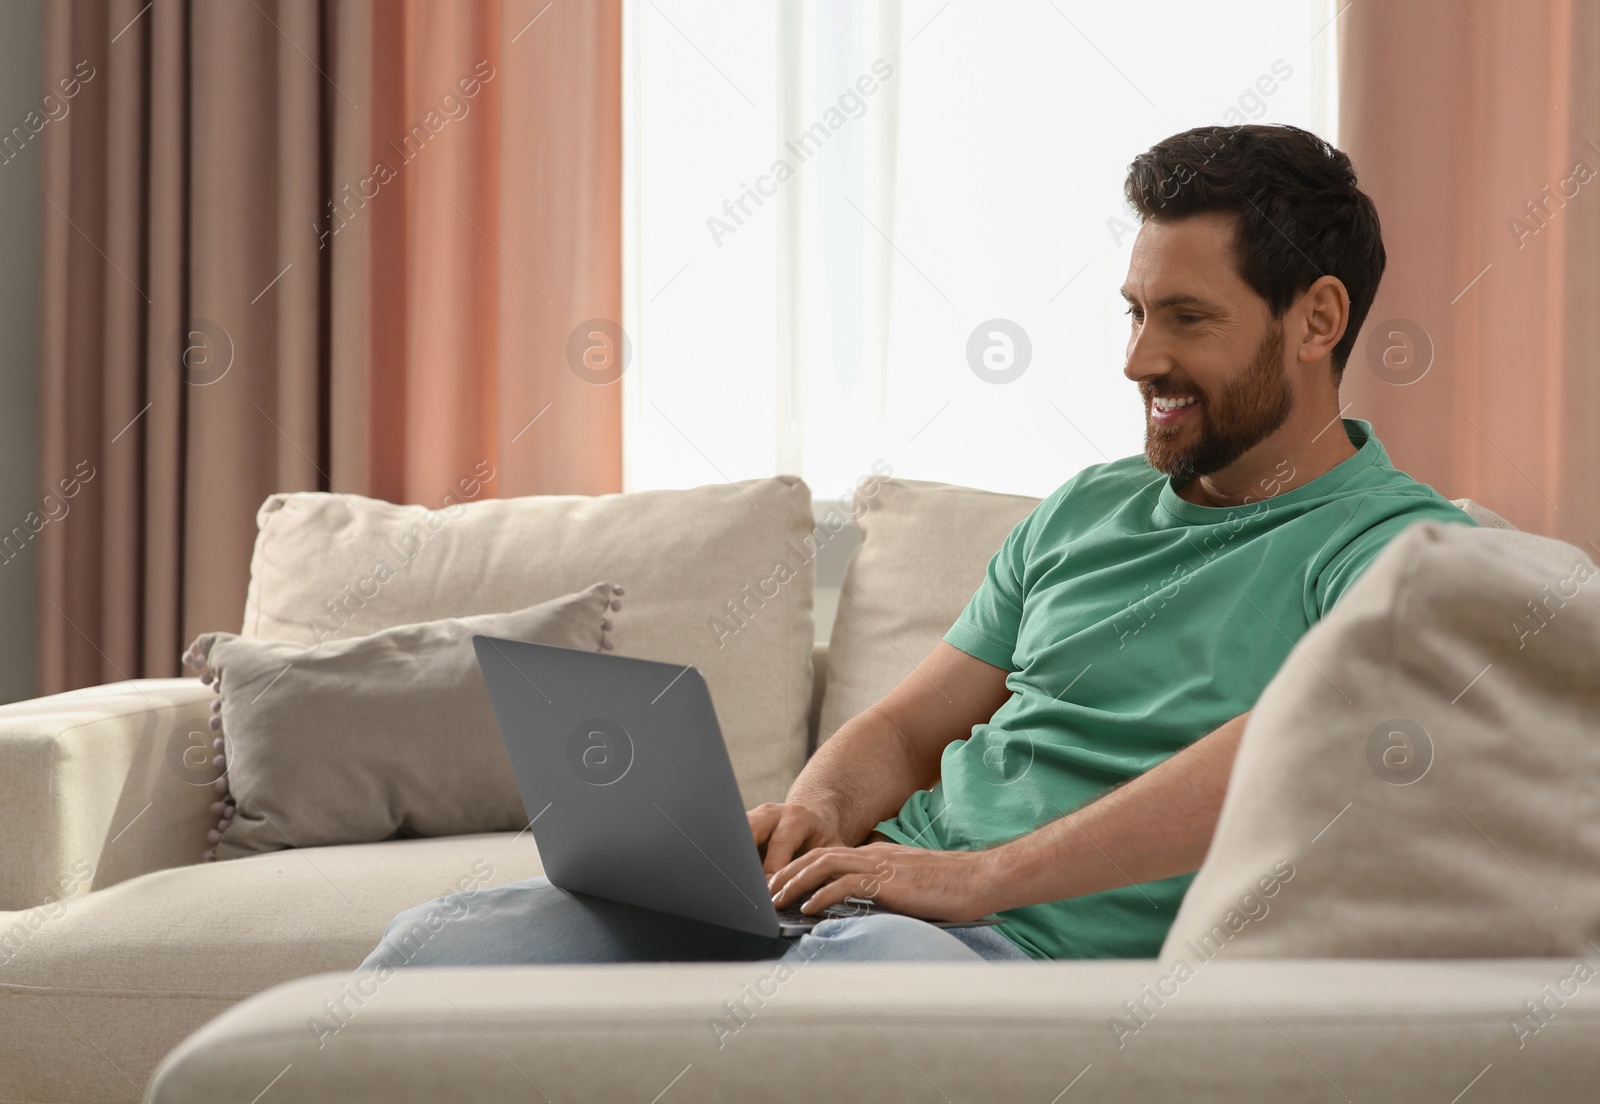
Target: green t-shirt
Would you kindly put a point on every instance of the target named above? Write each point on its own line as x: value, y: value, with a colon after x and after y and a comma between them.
x: 1133, y: 623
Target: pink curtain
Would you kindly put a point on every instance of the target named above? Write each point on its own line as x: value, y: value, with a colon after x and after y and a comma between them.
x: 1475, y: 126
x: 327, y: 245
x: 486, y: 244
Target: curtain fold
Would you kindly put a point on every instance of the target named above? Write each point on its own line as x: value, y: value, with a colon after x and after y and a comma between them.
x: 1475, y: 127
x: 327, y: 245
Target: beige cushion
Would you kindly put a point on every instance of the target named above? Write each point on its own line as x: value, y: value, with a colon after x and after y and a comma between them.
x: 923, y: 553
x: 96, y: 988
x: 1425, y: 768
x: 699, y: 567
x: 367, y: 738
x: 1484, y: 516
x: 906, y: 1033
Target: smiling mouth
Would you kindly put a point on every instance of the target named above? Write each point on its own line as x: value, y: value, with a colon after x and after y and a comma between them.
x: 1171, y: 404
x: 1164, y: 411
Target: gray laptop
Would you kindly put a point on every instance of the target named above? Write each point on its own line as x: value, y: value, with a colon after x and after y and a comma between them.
x: 626, y: 781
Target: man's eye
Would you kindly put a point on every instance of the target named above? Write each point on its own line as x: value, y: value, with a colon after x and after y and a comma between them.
x: 1188, y: 319
x: 1134, y: 312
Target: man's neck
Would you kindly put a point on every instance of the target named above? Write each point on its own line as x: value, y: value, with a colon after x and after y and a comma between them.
x: 1289, y: 458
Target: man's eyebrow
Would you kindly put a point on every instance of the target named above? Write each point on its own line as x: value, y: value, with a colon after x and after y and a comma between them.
x: 1179, y: 300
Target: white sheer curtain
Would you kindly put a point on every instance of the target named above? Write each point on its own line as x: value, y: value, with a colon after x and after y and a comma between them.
x: 933, y: 284
x: 837, y: 252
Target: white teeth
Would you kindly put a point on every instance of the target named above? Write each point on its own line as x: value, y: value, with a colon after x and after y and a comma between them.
x: 1173, y: 404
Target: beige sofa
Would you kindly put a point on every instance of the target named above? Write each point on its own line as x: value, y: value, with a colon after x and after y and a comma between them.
x: 120, y: 945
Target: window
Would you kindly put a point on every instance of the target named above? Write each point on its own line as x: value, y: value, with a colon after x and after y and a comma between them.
x: 861, y: 232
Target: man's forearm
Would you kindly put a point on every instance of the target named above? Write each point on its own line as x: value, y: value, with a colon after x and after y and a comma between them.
x: 1156, y: 826
x: 861, y: 775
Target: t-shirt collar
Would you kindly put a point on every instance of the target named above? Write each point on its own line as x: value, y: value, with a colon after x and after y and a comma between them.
x: 1369, y: 453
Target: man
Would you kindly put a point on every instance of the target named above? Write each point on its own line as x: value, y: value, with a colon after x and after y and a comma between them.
x: 1061, y: 756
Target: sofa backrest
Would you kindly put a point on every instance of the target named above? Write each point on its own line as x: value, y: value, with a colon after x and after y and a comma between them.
x: 924, y: 550
x: 718, y: 577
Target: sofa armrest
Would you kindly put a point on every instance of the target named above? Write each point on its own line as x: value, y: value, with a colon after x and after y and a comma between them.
x: 1216, y: 1033
x: 92, y: 787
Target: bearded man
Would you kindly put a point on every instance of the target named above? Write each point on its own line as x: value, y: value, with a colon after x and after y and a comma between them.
x: 1061, y: 757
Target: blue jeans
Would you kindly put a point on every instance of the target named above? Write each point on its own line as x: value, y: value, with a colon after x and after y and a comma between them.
x: 535, y: 922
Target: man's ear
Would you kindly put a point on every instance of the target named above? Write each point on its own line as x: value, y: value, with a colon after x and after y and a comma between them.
x: 1325, y: 306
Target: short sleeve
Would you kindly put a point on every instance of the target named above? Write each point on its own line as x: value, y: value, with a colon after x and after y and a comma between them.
x: 1344, y: 569
x: 987, y: 628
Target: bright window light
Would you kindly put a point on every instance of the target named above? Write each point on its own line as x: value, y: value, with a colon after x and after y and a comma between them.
x: 864, y: 233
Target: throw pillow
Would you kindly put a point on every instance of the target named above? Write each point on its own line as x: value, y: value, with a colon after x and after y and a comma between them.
x: 1422, y: 777
x: 923, y: 552
x: 372, y: 737
x: 719, y: 577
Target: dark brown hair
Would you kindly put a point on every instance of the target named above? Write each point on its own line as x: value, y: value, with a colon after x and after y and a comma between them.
x: 1300, y: 214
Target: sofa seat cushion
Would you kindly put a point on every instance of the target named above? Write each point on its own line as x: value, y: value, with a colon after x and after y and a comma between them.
x: 94, y: 989
x: 985, y: 1031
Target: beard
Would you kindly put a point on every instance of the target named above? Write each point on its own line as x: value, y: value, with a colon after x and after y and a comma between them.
x: 1227, y: 424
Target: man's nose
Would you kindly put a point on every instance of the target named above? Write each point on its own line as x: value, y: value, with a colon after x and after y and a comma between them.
x: 1146, y: 360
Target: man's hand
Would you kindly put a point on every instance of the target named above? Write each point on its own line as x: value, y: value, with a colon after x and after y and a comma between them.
x: 1158, y: 825
x: 784, y: 831
x: 917, y: 881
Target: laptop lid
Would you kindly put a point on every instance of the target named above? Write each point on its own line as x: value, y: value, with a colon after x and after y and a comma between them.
x: 626, y: 780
